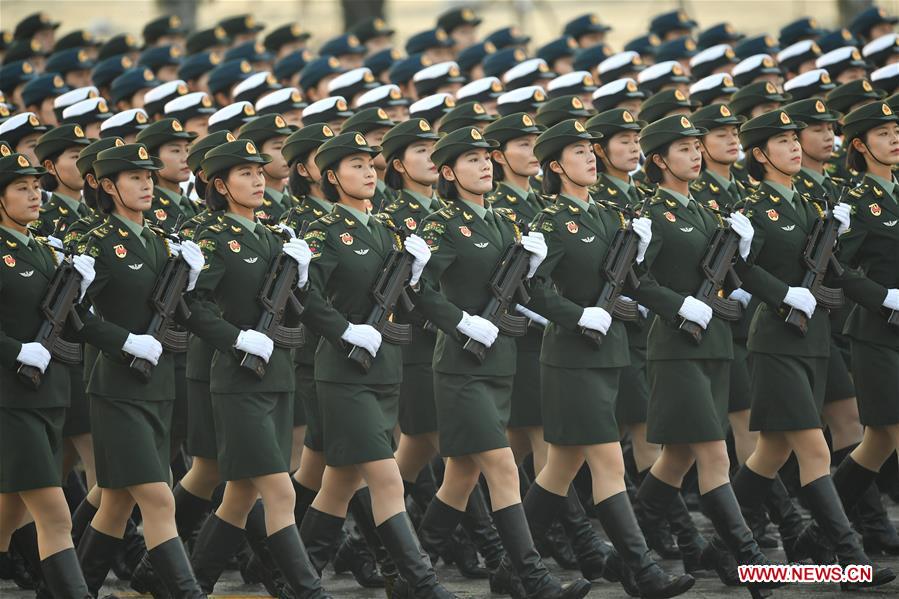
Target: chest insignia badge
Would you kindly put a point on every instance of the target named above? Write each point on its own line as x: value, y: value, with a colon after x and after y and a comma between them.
x: 346, y: 238
x: 137, y: 266
x: 772, y: 214
x: 481, y: 245
x: 26, y: 273
x: 234, y: 246
x: 9, y: 260
x: 875, y: 209
x: 361, y: 252
x: 670, y: 216
x: 588, y: 239
x: 572, y: 227
x: 465, y: 231
x: 120, y: 251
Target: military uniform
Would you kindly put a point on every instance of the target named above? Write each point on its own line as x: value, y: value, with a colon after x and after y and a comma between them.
x: 31, y: 421
x: 870, y: 249
x: 579, y: 381
x: 168, y: 207
x: 305, y: 409
x: 359, y: 410
x: 789, y: 371
x: 418, y: 410
x: 633, y: 389
x: 526, y: 403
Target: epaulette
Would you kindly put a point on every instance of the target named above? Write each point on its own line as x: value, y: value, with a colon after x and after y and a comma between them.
x: 506, y: 213
x: 330, y: 219
x: 101, y: 230
x: 385, y: 218
x: 392, y: 206
x: 553, y: 208
x: 159, y: 231
x: 448, y: 212
x: 656, y: 200
x: 860, y: 190
x: 698, y: 185
x: 219, y: 227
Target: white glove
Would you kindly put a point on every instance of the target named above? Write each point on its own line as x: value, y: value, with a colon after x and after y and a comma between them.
x: 643, y: 228
x: 363, y: 335
x: 695, y: 311
x: 85, y: 267
x: 145, y: 347
x: 56, y: 244
x: 34, y: 354
x: 742, y: 226
x: 534, y: 243
x: 596, y: 318
x: 285, y: 229
x: 254, y: 342
x: 842, y: 213
x: 416, y: 246
x: 480, y: 329
x: 801, y: 299
x: 531, y: 315
x: 643, y: 309
x: 892, y: 300
x: 193, y: 255
x: 174, y: 248
x: 299, y: 250
x: 742, y: 296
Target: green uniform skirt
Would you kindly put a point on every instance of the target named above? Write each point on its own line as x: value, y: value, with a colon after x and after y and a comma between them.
x: 579, y: 405
x: 876, y: 369
x: 253, y: 432
x: 687, y: 401
x: 200, y: 421
x: 30, y: 448
x: 357, y: 421
x: 526, y: 408
x: 739, y: 399
x: 787, y: 392
x: 633, y: 390
x: 131, y: 441
x: 472, y: 412
x: 839, y: 382
x: 306, y: 400
x: 418, y: 408
x: 78, y: 414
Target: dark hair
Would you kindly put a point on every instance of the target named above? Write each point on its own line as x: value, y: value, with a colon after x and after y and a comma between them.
x: 755, y: 168
x: 48, y: 181
x: 392, y: 177
x: 498, y: 173
x: 89, y: 194
x: 552, y: 182
x: 446, y: 189
x: 298, y: 184
x: 604, y: 144
x: 199, y: 185
x: 105, y: 203
x: 653, y: 171
x: 329, y: 190
x: 215, y: 200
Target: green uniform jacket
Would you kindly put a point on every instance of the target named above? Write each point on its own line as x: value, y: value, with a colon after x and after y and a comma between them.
x: 199, y: 353
x: 606, y: 191
x: 347, y: 258
x: 406, y: 212
x: 126, y: 273
x: 24, y: 277
x: 870, y: 252
x: 465, y: 250
x: 226, y: 302
x: 164, y: 212
x: 670, y: 272
x: 836, y: 167
x: 56, y: 216
x: 526, y: 210
x: 304, y: 211
x: 570, y: 279
x: 274, y: 204
x: 383, y: 197
x: 80, y: 227
x: 774, y: 265
x: 742, y: 175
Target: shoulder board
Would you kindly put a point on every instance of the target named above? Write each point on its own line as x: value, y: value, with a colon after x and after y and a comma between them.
x: 219, y: 227
x: 384, y: 217
x: 448, y: 212
x: 698, y: 185
x: 330, y: 219
x: 860, y: 190
x: 553, y: 208
x: 157, y: 230
x: 102, y: 230
x: 657, y: 199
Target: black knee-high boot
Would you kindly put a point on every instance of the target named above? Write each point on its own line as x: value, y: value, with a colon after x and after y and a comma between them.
x: 292, y: 560
x: 437, y: 527
x: 189, y: 511
x: 305, y: 497
x: 617, y: 518
x: 655, y: 526
x: 96, y: 552
x: 784, y: 513
x: 827, y: 509
x: 24, y: 544
x: 320, y: 533
x: 868, y: 515
x: 411, y: 560
x: 63, y: 577
x: 552, y: 543
x: 81, y: 518
x: 360, y: 556
x: 216, y: 544
x: 171, y: 564
x: 720, y: 504
x: 591, y: 551
x: 261, y: 565
x: 526, y: 562
x: 479, y: 527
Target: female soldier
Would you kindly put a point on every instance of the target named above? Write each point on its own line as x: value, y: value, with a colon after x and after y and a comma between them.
x: 514, y: 164
x: 788, y: 369
x: 130, y: 417
x: 467, y: 239
x: 307, y: 459
x: 253, y: 414
x: 31, y: 420
x: 688, y: 380
x: 872, y: 133
x: 167, y: 140
x: 358, y: 405
x: 578, y: 379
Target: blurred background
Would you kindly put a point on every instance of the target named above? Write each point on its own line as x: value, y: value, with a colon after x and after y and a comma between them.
x: 541, y: 19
